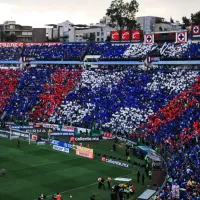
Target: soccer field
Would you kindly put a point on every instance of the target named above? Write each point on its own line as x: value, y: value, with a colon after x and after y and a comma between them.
x: 32, y: 170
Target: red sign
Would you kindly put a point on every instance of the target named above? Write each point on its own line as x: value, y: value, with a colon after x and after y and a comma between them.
x: 136, y: 34
x: 108, y: 135
x: 126, y: 35
x: 196, y: 30
x: 11, y: 44
x: 181, y: 37
x: 115, y: 35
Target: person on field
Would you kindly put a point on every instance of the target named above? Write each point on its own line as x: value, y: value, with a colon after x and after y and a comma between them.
x: 3, y: 172
x: 18, y: 143
x: 102, y: 183
x: 99, y: 183
x: 59, y: 197
x: 108, y: 181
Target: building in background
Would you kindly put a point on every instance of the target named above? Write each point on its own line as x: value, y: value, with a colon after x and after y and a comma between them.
x: 147, y: 23
x: 69, y: 32
x: 156, y: 24
x: 22, y: 33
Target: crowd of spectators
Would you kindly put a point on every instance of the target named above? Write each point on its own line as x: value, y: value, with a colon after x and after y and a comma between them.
x: 10, y: 53
x: 107, y: 51
x: 123, y: 97
x: 9, y: 79
x: 71, y: 51
x: 26, y: 94
x: 62, y: 82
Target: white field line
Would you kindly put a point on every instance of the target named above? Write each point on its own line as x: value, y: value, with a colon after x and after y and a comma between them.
x: 85, y: 186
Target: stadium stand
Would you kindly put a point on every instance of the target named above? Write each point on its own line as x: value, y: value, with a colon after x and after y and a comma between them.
x: 62, y: 82
x: 30, y: 86
x: 71, y: 51
x: 160, y: 105
x: 9, y: 79
x: 10, y: 53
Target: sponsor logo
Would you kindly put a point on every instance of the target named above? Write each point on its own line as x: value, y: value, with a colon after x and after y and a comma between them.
x: 62, y: 149
x: 82, y: 139
x: 125, y: 35
x: 3, y: 136
x: 115, y: 35
x: 114, y: 162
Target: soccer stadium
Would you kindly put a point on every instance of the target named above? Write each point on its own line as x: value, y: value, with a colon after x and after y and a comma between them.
x: 117, y: 119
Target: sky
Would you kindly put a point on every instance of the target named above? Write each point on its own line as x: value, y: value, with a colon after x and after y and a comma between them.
x: 40, y: 12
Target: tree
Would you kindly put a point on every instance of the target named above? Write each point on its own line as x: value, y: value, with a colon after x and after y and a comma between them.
x: 123, y: 14
x: 186, y: 21
x: 195, y: 18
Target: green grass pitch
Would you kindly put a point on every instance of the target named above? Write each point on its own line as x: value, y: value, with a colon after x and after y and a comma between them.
x: 34, y: 170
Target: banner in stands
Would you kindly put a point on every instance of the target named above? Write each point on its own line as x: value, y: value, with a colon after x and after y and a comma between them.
x: 22, y: 127
x: 125, y: 35
x: 107, y: 136
x: 196, y: 32
x: 40, y: 44
x: 62, y: 149
x: 115, y: 162
x: 136, y: 35
x: 38, y: 130
x: 11, y: 44
x: 63, y: 144
x: 69, y: 129
x: 61, y: 134
x: 181, y: 37
x: 165, y: 37
x: 115, y: 35
x: 85, y: 139
x: 85, y: 152
x: 149, y: 38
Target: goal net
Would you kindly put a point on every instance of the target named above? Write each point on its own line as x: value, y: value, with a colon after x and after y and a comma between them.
x: 22, y: 135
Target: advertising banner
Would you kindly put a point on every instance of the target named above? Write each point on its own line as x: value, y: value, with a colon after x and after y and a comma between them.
x: 3, y: 135
x: 11, y: 44
x: 115, y: 162
x: 86, y: 139
x: 63, y: 144
x: 165, y: 37
x: 41, y: 143
x: 38, y: 130
x: 22, y: 127
x: 61, y: 134
x: 108, y: 135
x: 85, y: 152
x: 40, y: 44
x: 114, y: 35
x: 136, y: 35
x: 125, y: 35
x: 62, y: 149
